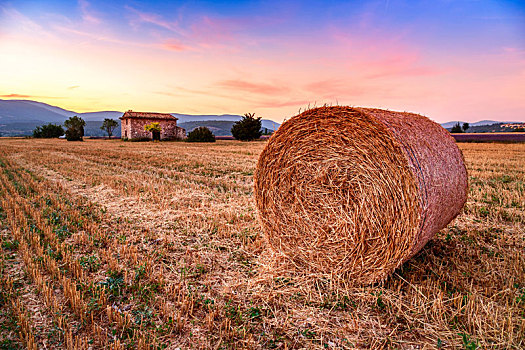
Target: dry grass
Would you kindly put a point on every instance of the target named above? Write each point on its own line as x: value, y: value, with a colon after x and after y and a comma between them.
x: 113, y: 244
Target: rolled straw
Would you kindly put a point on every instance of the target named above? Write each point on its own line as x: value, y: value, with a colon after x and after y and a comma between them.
x: 355, y: 192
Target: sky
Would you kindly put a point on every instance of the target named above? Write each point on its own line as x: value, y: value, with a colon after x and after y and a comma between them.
x: 446, y: 59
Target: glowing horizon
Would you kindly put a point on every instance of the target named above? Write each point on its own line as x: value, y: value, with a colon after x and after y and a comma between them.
x: 458, y: 60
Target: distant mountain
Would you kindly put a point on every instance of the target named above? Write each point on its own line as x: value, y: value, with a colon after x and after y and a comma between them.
x: 489, y: 122
x: 58, y: 110
x: 217, y: 127
x: 184, y: 118
x: 20, y: 117
x: 449, y: 125
x: 99, y: 116
x: 16, y: 111
x: 92, y: 128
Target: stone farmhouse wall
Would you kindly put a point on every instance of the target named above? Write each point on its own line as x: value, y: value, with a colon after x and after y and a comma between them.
x: 134, y: 128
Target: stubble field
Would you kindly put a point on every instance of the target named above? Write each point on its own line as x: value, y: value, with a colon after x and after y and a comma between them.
x: 110, y: 244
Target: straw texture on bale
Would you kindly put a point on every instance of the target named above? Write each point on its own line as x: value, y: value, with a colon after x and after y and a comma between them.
x: 353, y: 193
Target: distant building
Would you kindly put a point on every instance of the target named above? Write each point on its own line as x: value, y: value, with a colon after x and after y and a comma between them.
x: 132, y: 124
x: 514, y: 125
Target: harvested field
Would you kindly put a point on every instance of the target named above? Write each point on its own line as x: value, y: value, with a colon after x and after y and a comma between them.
x: 139, y: 245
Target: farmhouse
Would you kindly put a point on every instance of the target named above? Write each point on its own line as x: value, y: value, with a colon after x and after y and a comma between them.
x: 132, y: 124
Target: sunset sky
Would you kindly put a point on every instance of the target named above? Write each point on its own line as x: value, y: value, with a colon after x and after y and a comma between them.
x: 449, y: 60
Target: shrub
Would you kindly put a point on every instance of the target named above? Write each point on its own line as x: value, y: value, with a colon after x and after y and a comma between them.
x: 248, y: 128
x: 48, y: 131
x: 201, y: 134
x: 155, y: 130
x: 75, y: 128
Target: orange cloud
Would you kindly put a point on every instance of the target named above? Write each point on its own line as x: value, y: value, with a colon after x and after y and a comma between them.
x: 17, y: 96
x: 27, y: 96
x: 174, y: 46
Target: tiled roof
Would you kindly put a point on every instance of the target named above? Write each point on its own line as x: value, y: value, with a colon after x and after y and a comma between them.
x: 147, y: 115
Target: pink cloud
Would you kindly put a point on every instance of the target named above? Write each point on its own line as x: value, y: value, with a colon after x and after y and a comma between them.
x: 19, y: 20
x: 87, y: 14
x: 106, y: 38
x: 222, y: 33
x: 205, y: 32
x: 212, y: 30
x: 378, y: 56
x: 151, y: 18
x: 257, y: 88
x: 334, y: 87
x: 323, y: 85
x: 405, y: 71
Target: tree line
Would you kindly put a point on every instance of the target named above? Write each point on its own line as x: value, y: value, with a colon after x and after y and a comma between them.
x: 249, y: 128
x: 456, y: 129
x: 74, y: 129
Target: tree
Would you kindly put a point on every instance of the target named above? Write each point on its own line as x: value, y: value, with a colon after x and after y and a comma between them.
x: 108, y: 126
x: 248, y: 128
x: 75, y: 128
x: 48, y: 131
x: 155, y: 130
x: 465, y: 127
x: 456, y: 129
x: 201, y: 134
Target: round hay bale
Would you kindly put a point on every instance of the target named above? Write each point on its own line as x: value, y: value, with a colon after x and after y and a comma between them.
x: 353, y: 193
